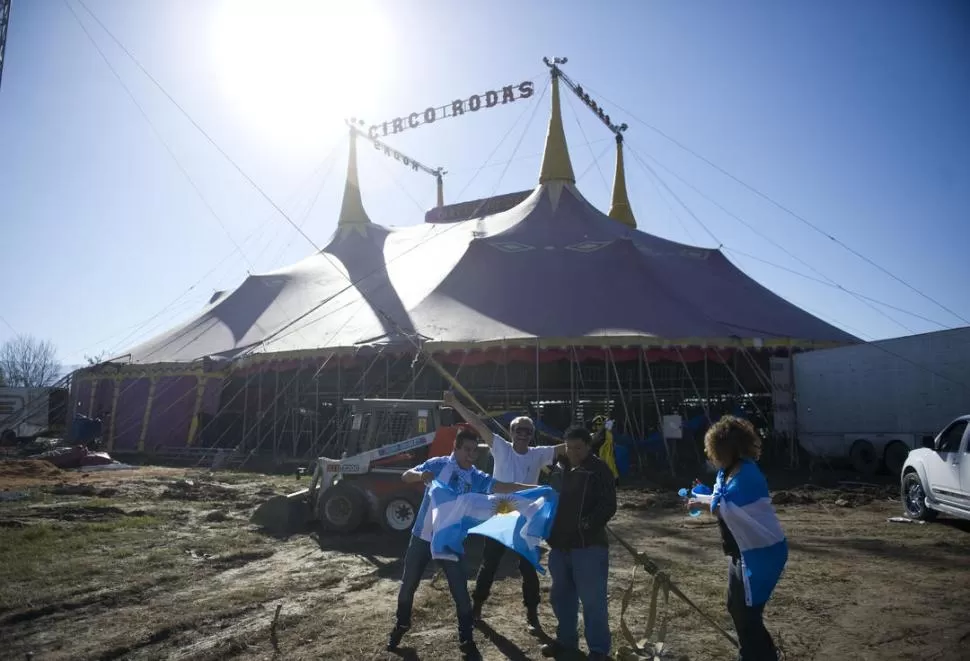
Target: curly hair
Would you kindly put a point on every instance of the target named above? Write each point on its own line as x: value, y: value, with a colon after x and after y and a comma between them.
x: 731, y: 439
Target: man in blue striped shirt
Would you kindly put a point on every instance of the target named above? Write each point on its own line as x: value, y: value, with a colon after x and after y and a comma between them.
x: 460, y: 474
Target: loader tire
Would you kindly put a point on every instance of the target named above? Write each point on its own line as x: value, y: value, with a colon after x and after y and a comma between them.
x: 398, y: 512
x: 341, y: 509
x: 864, y: 457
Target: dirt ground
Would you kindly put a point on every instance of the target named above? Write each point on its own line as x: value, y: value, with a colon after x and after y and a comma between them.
x: 161, y: 563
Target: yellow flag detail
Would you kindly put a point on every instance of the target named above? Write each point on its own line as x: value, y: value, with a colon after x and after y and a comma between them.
x: 608, y: 454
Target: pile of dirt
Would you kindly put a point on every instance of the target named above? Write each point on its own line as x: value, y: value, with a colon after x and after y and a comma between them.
x: 793, y: 497
x: 846, y: 494
x: 191, y: 490
x: 30, y: 468
x: 643, y: 500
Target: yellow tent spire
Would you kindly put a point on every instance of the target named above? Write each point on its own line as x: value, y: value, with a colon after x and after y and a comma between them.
x: 352, y: 208
x: 620, y: 204
x: 555, y: 159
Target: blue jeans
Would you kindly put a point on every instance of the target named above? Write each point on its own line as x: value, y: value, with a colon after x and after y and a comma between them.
x: 415, y: 562
x: 754, y: 639
x: 581, y: 575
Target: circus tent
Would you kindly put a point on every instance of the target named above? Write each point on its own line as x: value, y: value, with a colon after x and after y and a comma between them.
x: 550, y: 279
x: 526, y: 273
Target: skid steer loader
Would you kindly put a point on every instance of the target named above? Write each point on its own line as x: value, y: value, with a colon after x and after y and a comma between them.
x: 386, y: 437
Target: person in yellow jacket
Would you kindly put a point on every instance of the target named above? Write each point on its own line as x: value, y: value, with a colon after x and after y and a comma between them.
x: 603, y: 444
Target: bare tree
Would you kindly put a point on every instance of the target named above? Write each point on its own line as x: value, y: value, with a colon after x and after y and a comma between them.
x: 96, y: 359
x: 28, y: 362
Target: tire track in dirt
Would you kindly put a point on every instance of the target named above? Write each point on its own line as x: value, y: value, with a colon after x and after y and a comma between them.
x: 107, y: 598
x: 304, y: 579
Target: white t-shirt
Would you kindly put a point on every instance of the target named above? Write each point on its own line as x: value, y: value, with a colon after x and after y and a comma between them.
x: 510, y: 466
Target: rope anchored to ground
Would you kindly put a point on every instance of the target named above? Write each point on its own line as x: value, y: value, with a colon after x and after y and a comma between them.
x: 649, y: 648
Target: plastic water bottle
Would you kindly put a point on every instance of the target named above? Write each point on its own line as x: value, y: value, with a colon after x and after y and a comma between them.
x: 697, y: 489
x: 683, y: 493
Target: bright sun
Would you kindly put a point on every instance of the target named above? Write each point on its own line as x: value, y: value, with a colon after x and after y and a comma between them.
x: 295, y: 68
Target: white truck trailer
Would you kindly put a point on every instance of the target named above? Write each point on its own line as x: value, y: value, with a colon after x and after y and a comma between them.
x: 29, y: 411
x: 872, y: 403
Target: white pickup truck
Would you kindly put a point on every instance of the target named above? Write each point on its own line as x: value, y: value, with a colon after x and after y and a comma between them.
x: 936, y: 478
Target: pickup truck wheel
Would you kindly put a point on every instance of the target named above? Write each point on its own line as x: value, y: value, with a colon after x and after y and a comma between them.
x: 914, y: 498
x: 864, y: 457
x: 895, y: 456
x: 341, y: 508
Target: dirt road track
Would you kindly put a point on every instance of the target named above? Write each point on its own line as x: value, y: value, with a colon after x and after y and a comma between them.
x: 151, y: 566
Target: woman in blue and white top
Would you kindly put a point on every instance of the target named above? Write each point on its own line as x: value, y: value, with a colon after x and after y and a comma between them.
x: 750, y: 531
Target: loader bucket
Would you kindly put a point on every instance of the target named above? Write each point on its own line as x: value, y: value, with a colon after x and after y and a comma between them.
x: 284, y: 514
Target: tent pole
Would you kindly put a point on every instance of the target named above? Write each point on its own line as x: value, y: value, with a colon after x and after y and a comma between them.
x: 316, y: 412
x: 660, y: 418
x: 295, y: 413
x: 697, y: 393
x: 260, y: 414
x: 505, y: 364
x: 572, y: 387
x: 340, y: 403
x: 94, y: 392
x: 276, y: 410
x: 707, y: 384
x: 734, y: 361
x: 792, y: 444
x: 634, y: 421
x: 242, y: 442
x: 626, y: 411
x: 737, y: 382
x: 609, y: 402
x: 538, y: 406
x: 643, y: 414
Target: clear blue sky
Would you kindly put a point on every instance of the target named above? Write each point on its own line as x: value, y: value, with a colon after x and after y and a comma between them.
x: 854, y: 115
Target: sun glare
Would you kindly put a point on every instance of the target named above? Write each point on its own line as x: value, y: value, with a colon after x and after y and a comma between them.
x: 297, y: 68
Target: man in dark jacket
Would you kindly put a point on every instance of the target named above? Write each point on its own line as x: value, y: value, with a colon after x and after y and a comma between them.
x: 579, y: 556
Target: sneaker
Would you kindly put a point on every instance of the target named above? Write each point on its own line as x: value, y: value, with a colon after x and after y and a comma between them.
x: 555, y: 650
x: 395, y: 638
x: 469, y: 651
x: 532, y: 619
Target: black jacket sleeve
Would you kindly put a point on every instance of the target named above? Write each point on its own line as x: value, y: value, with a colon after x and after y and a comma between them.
x: 603, y: 498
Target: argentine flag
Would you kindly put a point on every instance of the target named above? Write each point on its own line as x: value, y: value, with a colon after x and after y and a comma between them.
x: 747, y: 511
x: 518, y: 520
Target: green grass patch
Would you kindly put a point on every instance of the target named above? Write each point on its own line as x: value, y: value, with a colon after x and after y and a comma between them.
x: 49, y: 558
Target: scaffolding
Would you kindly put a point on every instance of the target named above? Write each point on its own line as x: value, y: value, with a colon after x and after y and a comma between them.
x: 289, y: 412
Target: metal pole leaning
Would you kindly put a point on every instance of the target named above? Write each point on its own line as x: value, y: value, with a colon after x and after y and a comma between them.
x: 652, y: 569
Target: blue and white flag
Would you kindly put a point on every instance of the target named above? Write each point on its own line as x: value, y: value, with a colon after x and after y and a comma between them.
x: 519, y: 520
x: 745, y: 506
